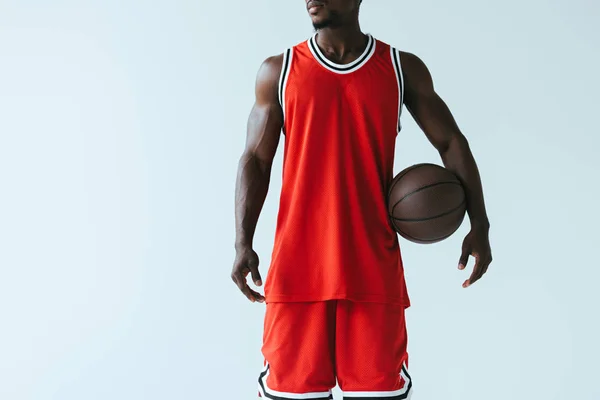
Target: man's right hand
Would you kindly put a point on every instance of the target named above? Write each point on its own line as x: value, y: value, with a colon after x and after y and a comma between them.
x: 246, y: 262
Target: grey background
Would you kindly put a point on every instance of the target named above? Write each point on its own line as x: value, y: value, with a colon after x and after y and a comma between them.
x: 121, y: 124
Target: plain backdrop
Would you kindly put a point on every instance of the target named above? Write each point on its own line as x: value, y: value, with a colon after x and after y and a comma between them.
x: 121, y: 126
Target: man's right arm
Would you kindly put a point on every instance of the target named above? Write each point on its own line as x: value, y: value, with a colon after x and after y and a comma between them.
x: 254, y: 171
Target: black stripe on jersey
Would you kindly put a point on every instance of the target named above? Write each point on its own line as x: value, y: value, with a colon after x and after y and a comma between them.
x: 317, y: 52
x: 402, y: 396
x: 284, y: 72
x: 396, y: 60
x: 261, y: 379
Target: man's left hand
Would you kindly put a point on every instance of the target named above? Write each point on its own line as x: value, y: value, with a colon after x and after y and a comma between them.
x: 476, y: 244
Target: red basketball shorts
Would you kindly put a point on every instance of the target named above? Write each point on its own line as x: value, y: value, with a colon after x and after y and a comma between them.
x: 307, y: 347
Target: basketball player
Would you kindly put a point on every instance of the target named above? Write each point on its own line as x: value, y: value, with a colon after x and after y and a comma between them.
x: 335, y: 293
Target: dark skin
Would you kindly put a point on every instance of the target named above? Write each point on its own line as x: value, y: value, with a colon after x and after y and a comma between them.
x: 254, y: 173
x: 342, y: 41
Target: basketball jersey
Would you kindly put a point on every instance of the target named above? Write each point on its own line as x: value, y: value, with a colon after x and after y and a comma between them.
x: 333, y: 237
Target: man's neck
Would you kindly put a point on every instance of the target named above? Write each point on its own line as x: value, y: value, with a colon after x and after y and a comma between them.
x: 342, y: 40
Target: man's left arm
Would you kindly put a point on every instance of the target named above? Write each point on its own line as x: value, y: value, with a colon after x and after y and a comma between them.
x: 435, y: 119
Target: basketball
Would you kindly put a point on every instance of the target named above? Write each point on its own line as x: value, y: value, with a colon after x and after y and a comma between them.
x: 426, y: 203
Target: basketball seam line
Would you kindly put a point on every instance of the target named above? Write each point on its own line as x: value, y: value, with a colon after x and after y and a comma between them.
x: 404, y: 173
x: 430, y: 218
x: 407, y: 236
x: 423, y: 188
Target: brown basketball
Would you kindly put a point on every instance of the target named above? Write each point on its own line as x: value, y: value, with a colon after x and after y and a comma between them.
x: 426, y: 203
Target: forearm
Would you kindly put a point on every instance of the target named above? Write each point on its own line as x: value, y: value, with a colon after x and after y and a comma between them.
x: 251, y: 191
x: 457, y: 157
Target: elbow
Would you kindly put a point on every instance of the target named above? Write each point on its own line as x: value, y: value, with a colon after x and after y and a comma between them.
x: 456, y: 146
x: 253, y: 160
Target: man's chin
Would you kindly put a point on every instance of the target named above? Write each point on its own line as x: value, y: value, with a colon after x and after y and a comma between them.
x: 320, y: 23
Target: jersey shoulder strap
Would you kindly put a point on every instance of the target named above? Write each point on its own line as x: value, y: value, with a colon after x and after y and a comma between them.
x: 288, y: 54
x: 395, y: 58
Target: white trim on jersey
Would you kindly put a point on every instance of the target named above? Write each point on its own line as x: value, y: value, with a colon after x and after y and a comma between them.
x: 342, y: 68
x: 283, y: 78
x: 268, y: 393
x: 395, y: 57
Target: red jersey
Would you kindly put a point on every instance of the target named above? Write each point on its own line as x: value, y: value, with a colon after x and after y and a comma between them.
x: 333, y: 237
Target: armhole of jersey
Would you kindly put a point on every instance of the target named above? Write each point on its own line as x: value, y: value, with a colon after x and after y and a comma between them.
x: 395, y: 56
x: 283, y: 79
